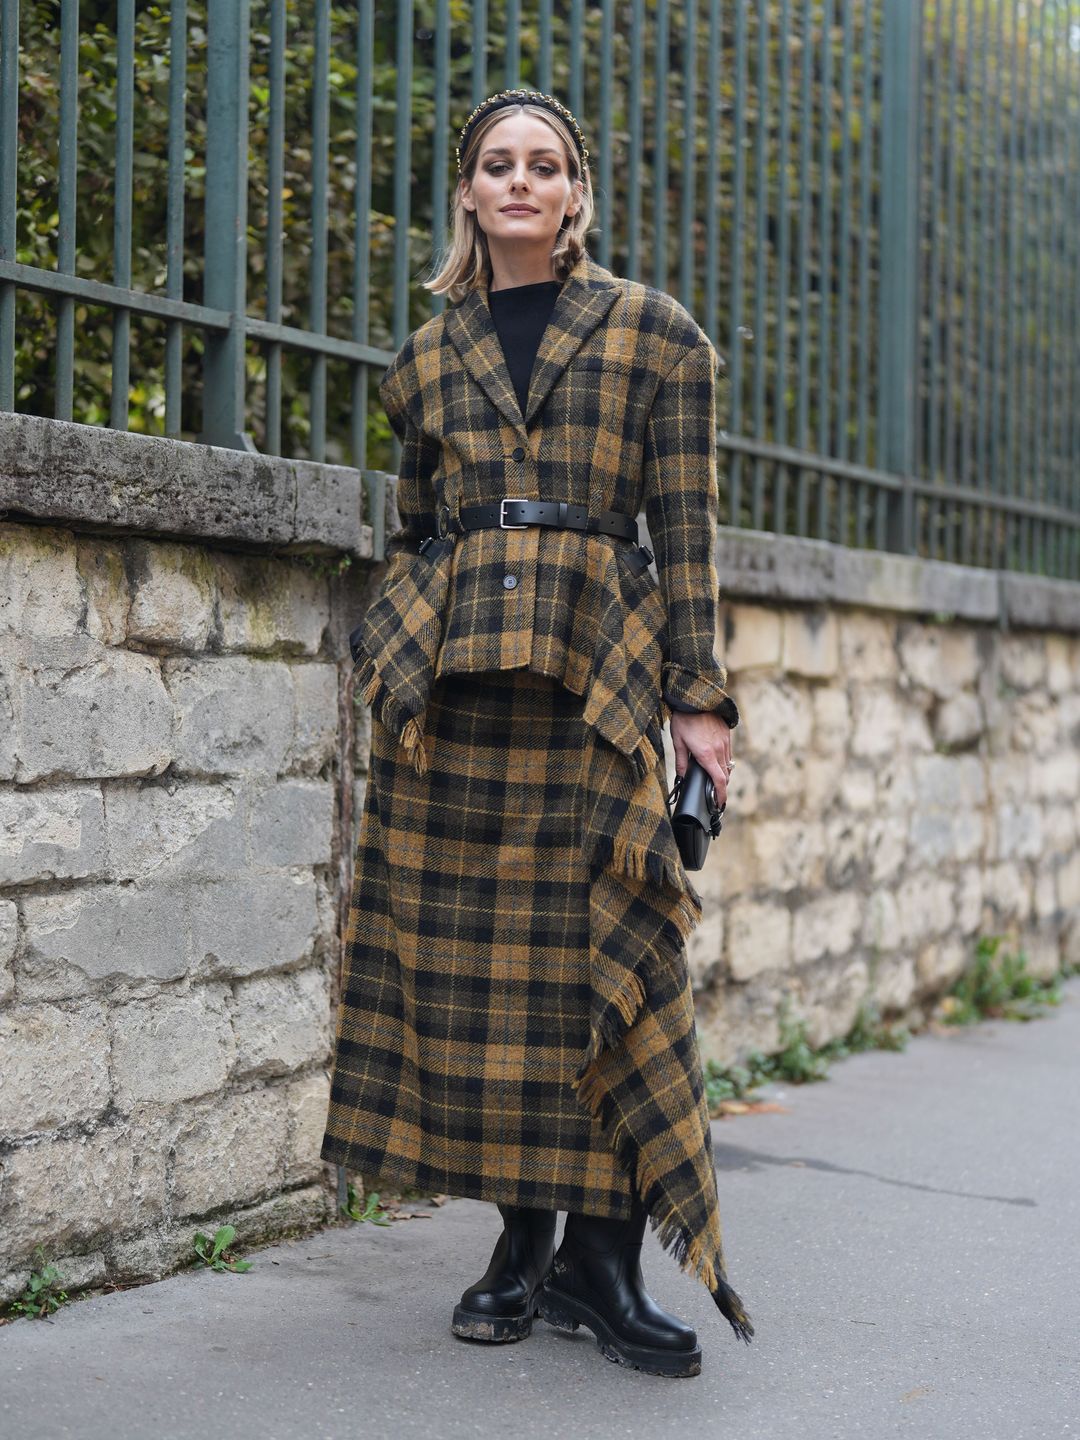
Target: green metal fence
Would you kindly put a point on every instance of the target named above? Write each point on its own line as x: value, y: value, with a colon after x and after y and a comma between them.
x: 870, y: 205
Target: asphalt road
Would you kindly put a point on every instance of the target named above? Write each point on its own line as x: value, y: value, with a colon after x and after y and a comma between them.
x: 906, y: 1238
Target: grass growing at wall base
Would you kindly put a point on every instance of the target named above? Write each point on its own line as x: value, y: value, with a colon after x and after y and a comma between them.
x: 993, y: 987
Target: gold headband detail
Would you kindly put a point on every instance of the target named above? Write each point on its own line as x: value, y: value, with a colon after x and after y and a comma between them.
x: 513, y: 97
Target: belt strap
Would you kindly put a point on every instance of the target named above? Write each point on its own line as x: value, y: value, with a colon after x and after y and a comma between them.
x: 511, y: 513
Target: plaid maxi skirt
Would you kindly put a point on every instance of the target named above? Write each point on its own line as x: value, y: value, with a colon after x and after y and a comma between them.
x: 516, y: 1020
x: 465, y: 997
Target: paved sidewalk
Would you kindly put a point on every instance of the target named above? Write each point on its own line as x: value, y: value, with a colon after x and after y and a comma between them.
x: 905, y: 1238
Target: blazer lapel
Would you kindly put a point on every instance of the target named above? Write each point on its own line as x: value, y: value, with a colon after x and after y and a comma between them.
x: 585, y: 298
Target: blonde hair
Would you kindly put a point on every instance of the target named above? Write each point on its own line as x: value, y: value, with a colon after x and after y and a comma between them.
x: 465, y: 262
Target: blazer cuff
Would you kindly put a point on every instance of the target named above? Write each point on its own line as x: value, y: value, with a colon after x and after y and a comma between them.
x: 687, y: 691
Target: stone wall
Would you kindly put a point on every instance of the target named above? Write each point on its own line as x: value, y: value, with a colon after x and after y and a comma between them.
x: 181, y: 765
x: 907, y: 779
x: 176, y: 760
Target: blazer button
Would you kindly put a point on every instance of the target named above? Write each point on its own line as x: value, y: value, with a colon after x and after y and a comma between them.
x: 509, y: 581
x: 519, y: 453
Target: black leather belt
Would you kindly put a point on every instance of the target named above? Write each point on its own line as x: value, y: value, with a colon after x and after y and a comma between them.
x: 515, y: 513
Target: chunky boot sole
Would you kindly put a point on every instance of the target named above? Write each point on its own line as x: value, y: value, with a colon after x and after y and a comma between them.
x: 565, y: 1312
x: 476, y: 1325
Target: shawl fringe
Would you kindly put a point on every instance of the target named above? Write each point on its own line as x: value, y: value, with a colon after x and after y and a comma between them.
x: 691, y: 1252
x: 407, y: 728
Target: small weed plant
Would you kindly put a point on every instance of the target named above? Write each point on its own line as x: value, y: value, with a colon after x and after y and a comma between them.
x: 216, y: 1253
x: 999, y: 988
x: 43, y: 1294
x: 371, y: 1208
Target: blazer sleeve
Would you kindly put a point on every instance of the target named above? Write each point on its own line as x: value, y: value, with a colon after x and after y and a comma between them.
x: 681, y: 503
x: 415, y: 492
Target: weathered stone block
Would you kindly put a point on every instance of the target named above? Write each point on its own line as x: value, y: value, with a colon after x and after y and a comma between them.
x: 893, y: 983
x: 51, y: 834
x: 39, y: 584
x: 941, y: 659
x: 969, y: 899
x: 308, y: 1100
x: 271, y: 605
x: 281, y: 1022
x: 1008, y: 893
x: 174, y: 594
x: 76, y: 939
x: 705, y: 950
x: 72, y: 1191
x: 775, y: 718
x: 86, y: 711
x: 826, y: 925
x: 55, y: 1066
x: 293, y: 824
x: 230, y: 1151
x: 251, y: 923
x: 925, y: 906
x: 882, y: 724
x: 235, y: 715
x: 832, y: 720
x: 881, y: 929
x: 171, y: 1048
x: 1018, y: 832
x: 315, y: 735
x: 759, y: 938
x: 750, y: 638
x: 9, y: 940
x: 958, y: 721
x: 105, y: 586
x: 867, y: 647
x: 195, y: 829
x: 938, y: 965
x: 790, y: 854
x: 831, y: 998
x: 1022, y: 657
x: 811, y: 643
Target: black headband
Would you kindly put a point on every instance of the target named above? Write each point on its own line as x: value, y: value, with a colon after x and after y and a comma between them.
x: 516, y: 97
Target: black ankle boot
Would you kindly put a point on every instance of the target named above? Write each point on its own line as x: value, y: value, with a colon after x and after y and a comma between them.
x: 596, y: 1281
x: 502, y: 1303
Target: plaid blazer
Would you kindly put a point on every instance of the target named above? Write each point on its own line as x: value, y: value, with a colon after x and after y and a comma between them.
x: 620, y: 415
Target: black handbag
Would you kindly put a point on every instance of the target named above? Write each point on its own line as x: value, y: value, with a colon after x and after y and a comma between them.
x: 695, y: 815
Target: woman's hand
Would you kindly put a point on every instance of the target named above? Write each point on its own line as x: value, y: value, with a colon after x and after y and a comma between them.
x: 708, y: 739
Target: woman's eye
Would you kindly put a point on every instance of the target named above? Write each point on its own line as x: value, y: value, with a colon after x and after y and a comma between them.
x: 545, y: 169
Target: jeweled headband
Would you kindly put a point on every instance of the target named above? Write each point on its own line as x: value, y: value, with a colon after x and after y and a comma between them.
x: 515, y: 97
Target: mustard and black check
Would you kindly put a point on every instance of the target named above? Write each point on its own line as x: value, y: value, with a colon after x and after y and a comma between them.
x: 518, y: 893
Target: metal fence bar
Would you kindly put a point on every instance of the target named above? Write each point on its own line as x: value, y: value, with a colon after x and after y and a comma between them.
x: 783, y: 261
x: 66, y: 186
x: 635, y: 120
x: 898, y: 268
x: 273, y: 351
x: 122, y: 185
x: 9, y: 179
x: 761, y: 251
x: 735, y: 315
x: 174, y: 215
x: 225, y: 247
x: 660, y: 161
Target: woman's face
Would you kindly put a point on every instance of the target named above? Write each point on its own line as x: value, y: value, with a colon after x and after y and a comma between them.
x: 521, y: 162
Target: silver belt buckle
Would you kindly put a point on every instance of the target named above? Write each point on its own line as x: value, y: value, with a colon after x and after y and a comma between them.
x: 505, y: 524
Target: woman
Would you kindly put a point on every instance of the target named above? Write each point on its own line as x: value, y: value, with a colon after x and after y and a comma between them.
x: 516, y: 1022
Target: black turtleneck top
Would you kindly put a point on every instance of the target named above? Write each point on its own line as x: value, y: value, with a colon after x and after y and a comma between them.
x: 521, y: 314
